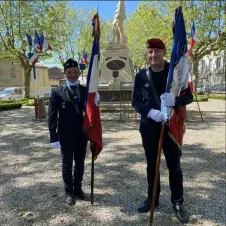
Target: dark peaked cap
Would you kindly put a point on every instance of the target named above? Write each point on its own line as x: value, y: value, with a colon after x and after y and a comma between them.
x: 70, y: 63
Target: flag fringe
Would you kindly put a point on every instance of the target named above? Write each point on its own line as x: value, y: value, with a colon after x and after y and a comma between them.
x: 175, y: 141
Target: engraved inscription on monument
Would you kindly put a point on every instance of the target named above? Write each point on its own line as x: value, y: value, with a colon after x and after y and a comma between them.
x: 115, y: 65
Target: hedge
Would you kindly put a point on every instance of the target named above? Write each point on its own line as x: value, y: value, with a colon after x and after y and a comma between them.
x: 200, y: 98
x: 9, y: 106
x: 8, y: 101
x: 24, y: 102
x: 29, y: 102
x: 217, y: 96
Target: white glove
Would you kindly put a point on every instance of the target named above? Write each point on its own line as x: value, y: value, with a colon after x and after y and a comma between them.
x: 56, y: 144
x: 156, y: 115
x: 168, y: 99
x: 97, y: 99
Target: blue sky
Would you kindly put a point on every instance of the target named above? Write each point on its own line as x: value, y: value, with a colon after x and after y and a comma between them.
x: 106, y: 8
x: 106, y: 11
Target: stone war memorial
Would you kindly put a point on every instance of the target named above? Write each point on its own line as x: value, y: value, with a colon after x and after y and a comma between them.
x: 116, y: 76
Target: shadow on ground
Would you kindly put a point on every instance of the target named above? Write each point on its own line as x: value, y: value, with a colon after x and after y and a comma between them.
x: 31, y: 179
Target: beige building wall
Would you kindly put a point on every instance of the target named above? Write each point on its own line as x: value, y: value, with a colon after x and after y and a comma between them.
x: 54, y: 83
x: 42, y: 78
x: 10, y: 74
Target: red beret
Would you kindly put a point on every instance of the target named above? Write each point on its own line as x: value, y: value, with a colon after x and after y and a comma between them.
x: 155, y: 43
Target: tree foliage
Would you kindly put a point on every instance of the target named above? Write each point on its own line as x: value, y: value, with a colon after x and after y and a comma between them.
x: 85, y: 40
x: 19, y: 17
x: 80, y: 39
x: 154, y: 19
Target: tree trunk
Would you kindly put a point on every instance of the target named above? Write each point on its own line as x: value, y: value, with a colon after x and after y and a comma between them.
x: 195, y: 72
x: 27, y: 76
x: 27, y: 72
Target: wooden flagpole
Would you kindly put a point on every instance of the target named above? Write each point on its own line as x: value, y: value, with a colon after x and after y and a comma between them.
x: 92, y: 177
x: 157, y: 173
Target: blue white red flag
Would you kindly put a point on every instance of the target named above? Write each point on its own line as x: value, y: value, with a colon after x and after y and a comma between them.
x: 192, y: 40
x: 178, y: 76
x: 85, y: 58
x: 33, y: 58
x: 29, y: 40
x: 44, y: 44
x: 37, y: 42
x: 92, y: 124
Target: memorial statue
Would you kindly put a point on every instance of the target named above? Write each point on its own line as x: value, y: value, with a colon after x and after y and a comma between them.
x: 120, y: 15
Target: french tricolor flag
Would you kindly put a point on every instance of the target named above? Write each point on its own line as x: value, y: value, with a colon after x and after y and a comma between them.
x: 45, y: 45
x: 33, y: 58
x: 92, y: 124
x: 193, y: 39
x: 178, y: 76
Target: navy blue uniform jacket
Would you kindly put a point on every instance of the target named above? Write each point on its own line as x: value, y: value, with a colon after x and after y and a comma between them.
x: 65, y: 122
x: 143, y: 99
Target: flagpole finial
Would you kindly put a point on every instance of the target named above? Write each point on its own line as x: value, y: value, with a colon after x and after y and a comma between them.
x: 96, y: 26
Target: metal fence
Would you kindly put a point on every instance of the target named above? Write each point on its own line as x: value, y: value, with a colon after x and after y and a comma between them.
x: 127, y: 112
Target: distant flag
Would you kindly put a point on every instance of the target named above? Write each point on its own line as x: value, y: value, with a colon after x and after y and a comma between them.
x: 37, y: 42
x: 192, y: 40
x: 81, y: 61
x: 29, y: 40
x: 45, y: 45
x: 92, y: 123
x: 85, y: 58
x: 190, y: 46
x: 33, y: 58
x: 191, y: 83
x: 41, y: 39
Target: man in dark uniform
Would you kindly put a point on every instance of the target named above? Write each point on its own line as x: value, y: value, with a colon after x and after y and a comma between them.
x: 65, y: 128
x: 145, y: 103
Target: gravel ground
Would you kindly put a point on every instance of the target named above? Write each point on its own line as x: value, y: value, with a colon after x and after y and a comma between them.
x: 31, y: 191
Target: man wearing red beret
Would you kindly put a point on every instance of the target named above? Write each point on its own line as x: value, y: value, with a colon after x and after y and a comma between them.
x: 149, y: 91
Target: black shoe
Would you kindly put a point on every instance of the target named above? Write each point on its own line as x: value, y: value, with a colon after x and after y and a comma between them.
x: 181, y: 213
x: 146, y: 206
x: 70, y: 200
x: 82, y: 196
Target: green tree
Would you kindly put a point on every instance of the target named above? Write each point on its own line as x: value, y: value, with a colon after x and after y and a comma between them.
x: 145, y: 23
x: 84, y: 39
x: 19, y: 17
x: 80, y: 36
x: 154, y: 19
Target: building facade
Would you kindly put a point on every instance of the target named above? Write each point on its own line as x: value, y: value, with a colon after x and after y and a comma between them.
x: 12, y: 75
x: 212, y: 70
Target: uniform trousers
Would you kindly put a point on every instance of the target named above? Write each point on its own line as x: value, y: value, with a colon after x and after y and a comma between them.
x: 76, y: 153
x: 172, y: 155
